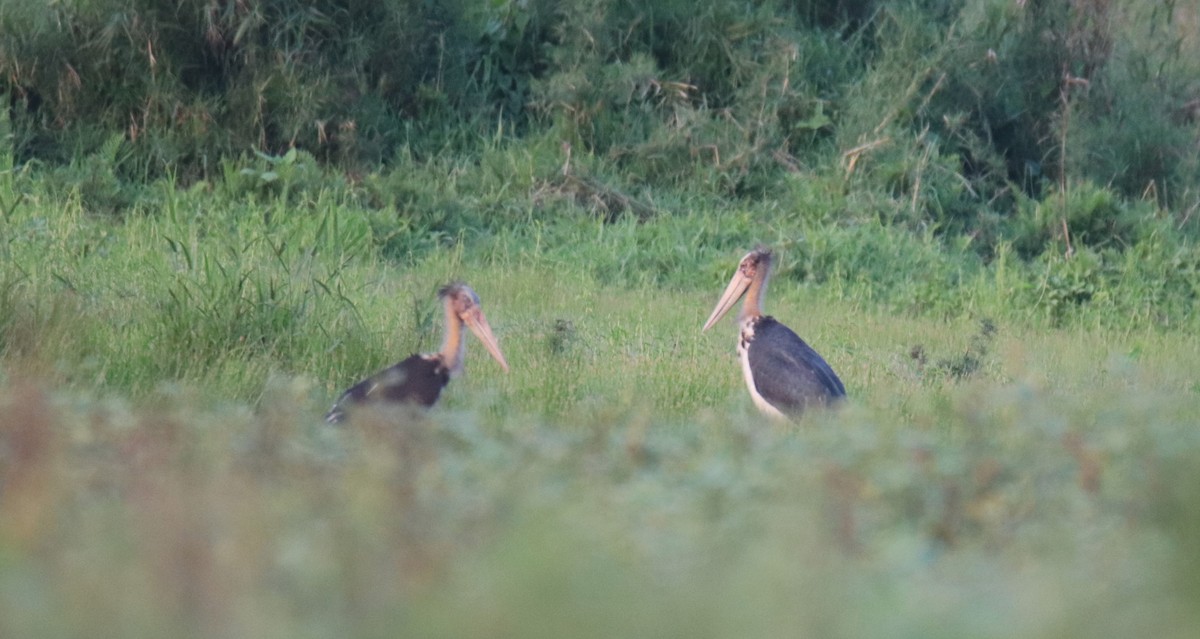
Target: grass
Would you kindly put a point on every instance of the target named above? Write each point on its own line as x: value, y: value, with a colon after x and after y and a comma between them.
x: 164, y: 469
x: 1019, y: 456
x: 1005, y: 505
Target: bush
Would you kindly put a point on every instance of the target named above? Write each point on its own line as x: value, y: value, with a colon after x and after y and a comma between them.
x: 191, y: 82
x: 924, y: 139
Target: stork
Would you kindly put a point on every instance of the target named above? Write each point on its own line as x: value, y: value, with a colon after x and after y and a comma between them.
x: 419, y: 380
x: 784, y: 374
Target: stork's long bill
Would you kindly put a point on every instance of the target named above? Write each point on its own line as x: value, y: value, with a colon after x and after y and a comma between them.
x: 750, y: 280
x: 477, y: 322
x: 462, y: 307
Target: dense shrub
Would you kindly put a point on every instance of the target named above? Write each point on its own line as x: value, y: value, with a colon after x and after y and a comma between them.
x: 190, y: 81
x: 913, y: 145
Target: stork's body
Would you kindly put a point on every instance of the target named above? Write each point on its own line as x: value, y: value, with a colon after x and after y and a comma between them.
x: 419, y: 379
x: 783, y: 373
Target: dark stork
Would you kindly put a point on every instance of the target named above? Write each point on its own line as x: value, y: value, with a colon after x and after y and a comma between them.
x: 784, y: 374
x: 420, y: 379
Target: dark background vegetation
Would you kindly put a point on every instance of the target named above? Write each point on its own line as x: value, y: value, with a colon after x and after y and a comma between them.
x: 1057, y: 136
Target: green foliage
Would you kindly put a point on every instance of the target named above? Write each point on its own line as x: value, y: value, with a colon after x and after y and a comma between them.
x: 224, y: 285
x: 1087, y: 214
x: 722, y: 98
x: 1067, y: 494
x: 191, y: 82
x: 289, y: 177
x: 1136, y: 126
x: 952, y: 112
x: 99, y: 179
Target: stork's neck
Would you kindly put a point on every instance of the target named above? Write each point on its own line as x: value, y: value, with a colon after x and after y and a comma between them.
x: 752, y: 306
x: 453, y: 345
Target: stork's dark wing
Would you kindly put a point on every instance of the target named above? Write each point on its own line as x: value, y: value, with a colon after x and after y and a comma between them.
x: 417, y: 380
x: 787, y: 372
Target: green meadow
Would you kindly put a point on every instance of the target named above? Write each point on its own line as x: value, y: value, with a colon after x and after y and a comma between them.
x: 985, y: 218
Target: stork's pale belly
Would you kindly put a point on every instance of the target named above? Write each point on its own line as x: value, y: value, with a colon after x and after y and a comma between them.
x: 747, y: 335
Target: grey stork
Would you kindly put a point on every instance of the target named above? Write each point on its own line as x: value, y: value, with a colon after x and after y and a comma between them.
x: 784, y: 374
x: 419, y: 380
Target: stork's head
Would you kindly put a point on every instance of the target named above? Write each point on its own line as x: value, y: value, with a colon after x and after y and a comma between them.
x: 463, y: 303
x: 754, y: 267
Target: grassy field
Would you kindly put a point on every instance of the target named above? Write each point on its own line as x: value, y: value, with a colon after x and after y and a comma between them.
x: 164, y: 470
x: 215, y: 216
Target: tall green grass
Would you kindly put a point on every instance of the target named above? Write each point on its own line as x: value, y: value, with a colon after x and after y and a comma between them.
x: 933, y: 158
x: 283, y: 268
x: 727, y: 97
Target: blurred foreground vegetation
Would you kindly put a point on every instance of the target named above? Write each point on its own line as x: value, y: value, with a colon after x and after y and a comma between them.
x: 984, y: 509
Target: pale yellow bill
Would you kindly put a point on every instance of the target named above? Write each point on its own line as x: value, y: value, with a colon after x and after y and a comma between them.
x: 478, y: 324
x: 733, y: 292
